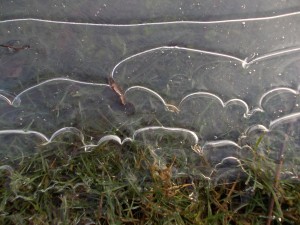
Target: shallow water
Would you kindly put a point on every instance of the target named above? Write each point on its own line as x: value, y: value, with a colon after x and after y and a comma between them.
x: 190, y: 79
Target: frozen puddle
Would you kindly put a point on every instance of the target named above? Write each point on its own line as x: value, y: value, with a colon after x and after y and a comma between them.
x: 209, y: 98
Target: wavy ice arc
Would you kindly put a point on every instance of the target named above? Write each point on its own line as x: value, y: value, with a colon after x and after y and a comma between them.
x: 155, y: 23
x: 220, y: 144
x: 17, y: 100
x: 219, y: 100
x: 245, y: 63
x: 148, y: 90
x: 283, y: 120
x: 167, y: 129
x: 214, y: 150
x: 45, y: 140
x: 248, y: 113
x: 43, y: 137
x: 273, y: 124
x: 275, y: 92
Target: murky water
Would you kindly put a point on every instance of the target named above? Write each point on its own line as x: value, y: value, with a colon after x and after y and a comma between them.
x: 190, y: 79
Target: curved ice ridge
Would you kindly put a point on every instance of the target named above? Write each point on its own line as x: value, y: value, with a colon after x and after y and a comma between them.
x: 275, y: 92
x: 220, y: 143
x: 118, y: 140
x: 45, y: 140
x: 240, y: 102
x: 168, y: 129
x: 248, y: 113
x: 155, y: 23
x: 274, y: 124
x: 17, y: 100
x: 7, y: 168
x: 194, y: 139
x: 244, y: 62
x: 233, y: 161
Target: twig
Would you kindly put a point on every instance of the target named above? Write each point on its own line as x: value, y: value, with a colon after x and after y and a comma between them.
x: 117, y: 89
x: 15, y: 48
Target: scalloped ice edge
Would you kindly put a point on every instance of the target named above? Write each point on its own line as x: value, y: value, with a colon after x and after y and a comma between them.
x: 152, y: 129
x: 248, y: 113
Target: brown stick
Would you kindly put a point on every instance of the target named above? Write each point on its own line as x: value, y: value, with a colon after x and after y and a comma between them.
x: 15, y: 48
x: 117, y: 89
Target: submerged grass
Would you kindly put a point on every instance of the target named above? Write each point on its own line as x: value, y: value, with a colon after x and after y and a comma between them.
x: 113, y: 184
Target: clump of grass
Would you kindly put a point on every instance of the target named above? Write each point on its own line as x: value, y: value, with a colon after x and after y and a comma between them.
x: 126, y: 184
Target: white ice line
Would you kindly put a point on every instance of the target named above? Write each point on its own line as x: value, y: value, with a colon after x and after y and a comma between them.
x: 103, y: 139
x: 202, y: 93
x: 55, y: 79
x: 274, y: 91
x: 269, y: 55
x: 147, y: 90
x: 154, y: 23
x: 5, y: 99
x: 177, y: 48
x: 244, y: 62
x: 285, y: 119
x: 222, y: 103
x: 25, y: 132
x: 273, y: 124
x: 44, y: 137
x: 154, y: 128
x: 220, y: 143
